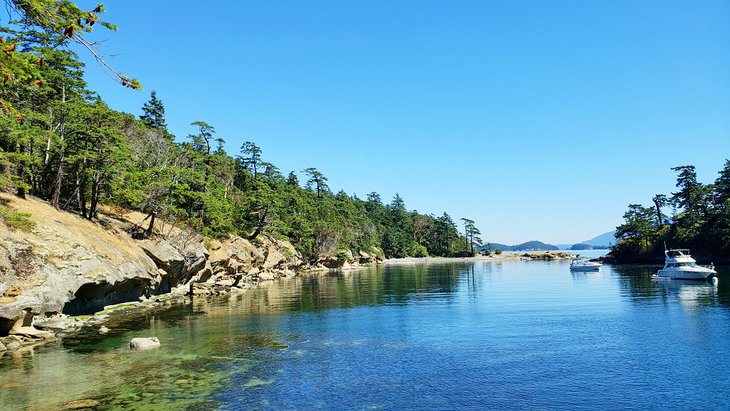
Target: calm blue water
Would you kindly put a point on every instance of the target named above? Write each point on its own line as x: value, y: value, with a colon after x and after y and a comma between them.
x: 484, y: 335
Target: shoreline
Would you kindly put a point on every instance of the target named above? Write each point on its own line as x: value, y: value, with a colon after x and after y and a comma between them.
x: 526, y: 256
x: 102, y: 323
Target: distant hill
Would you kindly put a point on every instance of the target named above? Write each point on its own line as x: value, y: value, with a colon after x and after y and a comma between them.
x: 581, y: 246
x: 534, y: 246
x: 526, y: 246
x: 603, y: 240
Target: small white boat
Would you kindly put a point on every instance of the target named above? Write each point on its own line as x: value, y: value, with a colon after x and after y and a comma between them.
x: 583, y: 265
x: 679, y: 265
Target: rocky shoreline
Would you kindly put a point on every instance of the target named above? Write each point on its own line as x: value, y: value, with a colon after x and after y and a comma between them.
x: 70, y: 276
x: 530, y: 255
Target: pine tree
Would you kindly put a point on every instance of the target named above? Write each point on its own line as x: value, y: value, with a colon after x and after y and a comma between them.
x: 317, y: 179
x: 154, y: 113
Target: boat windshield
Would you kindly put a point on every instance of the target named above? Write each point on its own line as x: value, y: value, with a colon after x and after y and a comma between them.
x: 673, y: 265
x: 677, y: 253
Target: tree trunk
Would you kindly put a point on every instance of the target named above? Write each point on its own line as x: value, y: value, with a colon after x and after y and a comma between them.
x: 94, y: 200
x: 658, y: 212
x: 81, y: 193
x: 152, y: 216
x: 57, y: 183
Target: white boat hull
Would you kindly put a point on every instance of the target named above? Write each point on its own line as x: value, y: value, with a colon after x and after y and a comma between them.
x: 586, y: 268
x: 686, y: 274
x: 679, y: 265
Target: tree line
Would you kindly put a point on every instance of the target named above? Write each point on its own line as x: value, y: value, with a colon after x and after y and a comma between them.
x: 696, y: 216
x: 61, y: 142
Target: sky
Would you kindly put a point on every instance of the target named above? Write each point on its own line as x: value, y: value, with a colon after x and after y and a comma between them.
x: 540, y: 120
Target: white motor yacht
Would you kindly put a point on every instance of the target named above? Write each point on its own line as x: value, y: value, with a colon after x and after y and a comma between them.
x: 583, y: 265
x: 678, y: 264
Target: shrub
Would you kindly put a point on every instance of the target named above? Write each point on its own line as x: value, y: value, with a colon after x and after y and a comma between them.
x: 419, y: 251
x: 498, y: 251
x: 342, y: 255
x: 15, y: 219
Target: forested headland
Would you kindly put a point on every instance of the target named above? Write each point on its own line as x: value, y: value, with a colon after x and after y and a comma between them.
x: 59, y: 141
x: 699, y: 219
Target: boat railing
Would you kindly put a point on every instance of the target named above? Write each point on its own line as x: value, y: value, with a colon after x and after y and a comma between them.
x: 678, y: 252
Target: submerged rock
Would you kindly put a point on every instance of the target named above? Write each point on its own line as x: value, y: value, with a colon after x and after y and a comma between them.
x: 79, y: 404
x: 145, y: 343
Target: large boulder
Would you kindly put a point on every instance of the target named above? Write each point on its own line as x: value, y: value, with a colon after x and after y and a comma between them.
x: 144, y: 343
x: 236, y: 255
x: 197, y: 264
x: 180, y: 264
x: 165, y: 256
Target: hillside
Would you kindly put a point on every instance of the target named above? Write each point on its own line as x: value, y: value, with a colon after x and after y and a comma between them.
x: 526, y: 246
x: 602, y: 240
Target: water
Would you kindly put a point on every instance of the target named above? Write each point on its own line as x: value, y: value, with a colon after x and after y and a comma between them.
x: 482, y: 335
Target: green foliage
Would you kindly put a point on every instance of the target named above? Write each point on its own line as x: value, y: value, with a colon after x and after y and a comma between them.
x: 342, y: 256
x: 153, y: 113
x: 498, y: 251
x: 62, y: 21
x: 15, y: 219
x: 59, y: 141
x: 702, y: 221
x: 419, y: 251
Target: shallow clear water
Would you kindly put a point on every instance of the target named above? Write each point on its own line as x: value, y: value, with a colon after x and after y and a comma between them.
x: 483, y: 335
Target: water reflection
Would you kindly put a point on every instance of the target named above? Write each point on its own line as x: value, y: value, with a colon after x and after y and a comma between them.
x: 472, y: 335
x: 690, y: 294
x: 638, y: 286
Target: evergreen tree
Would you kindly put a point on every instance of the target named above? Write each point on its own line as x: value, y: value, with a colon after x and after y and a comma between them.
x: 292, y: 179
x: 691, y: 199
x: 250, y: 157
x: 153, y: 113
x: 316, y: 179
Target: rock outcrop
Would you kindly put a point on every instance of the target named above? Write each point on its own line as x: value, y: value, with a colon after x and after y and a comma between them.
x: 67, y: 264
x: 238, y: 261
x: 345, y: 260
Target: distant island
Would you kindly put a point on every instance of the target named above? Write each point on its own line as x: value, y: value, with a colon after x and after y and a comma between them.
x: 526, y: 246
x: 599, y: 242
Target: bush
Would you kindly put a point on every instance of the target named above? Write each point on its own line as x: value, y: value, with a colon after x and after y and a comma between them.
x: 342, y: 256
x: 15, y: 219
x: 498, y: 251
x: 419, y: 251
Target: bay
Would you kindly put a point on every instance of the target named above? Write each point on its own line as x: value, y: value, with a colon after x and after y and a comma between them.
x: 463, y: 335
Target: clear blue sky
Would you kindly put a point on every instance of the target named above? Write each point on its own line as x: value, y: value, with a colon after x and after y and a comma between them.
x: 538, y: 119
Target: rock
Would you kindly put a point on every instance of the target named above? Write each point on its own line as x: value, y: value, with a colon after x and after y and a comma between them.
x: 79, y: 404
x: 273, y: 257
x: 164, y: 255
x: 196, y: 259
x: 12, y: 346
x: 103, y: 330
x: 267, y: 276
x: 67, y: 264
x: 58, y: 323
x: 201, y: 289
x: 3, y: 347
x: 32, y: 332
x: 225, y: 281
x: 146, y: 343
